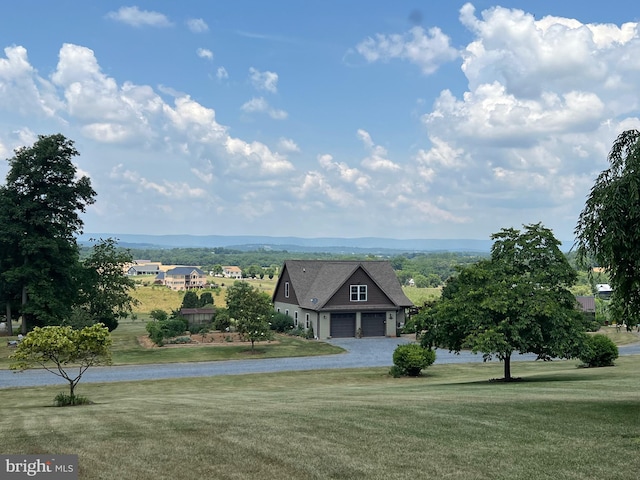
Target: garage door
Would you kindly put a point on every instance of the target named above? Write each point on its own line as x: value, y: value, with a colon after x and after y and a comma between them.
x: 373, y: 324
x: 343, y: 325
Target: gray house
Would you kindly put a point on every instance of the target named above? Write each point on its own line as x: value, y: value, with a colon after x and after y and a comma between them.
x: 341, y: 298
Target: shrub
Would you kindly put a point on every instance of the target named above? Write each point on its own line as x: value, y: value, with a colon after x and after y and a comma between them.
x: 281, y: 322
x: 598, y: 351
x: 412, y: 358
x: 222, y: 321
x: 64, y: 400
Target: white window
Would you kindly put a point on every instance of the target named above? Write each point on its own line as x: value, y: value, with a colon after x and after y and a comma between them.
x: 286, y: 312
x: 306, y: 321
x: 358, y: 293
x: 286, y: 289
x: 295, y: 318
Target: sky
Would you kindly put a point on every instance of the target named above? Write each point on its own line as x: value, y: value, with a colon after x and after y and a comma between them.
x: 316, y: 118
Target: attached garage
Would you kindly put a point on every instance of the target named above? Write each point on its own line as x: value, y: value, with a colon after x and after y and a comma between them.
x: 343, y: 325
x: 373, y: 324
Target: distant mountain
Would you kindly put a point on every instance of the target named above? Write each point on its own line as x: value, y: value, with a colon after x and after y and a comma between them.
x: 295, y: 244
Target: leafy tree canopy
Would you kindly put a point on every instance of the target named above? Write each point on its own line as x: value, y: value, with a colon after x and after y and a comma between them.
x: 518, y: 300
x: 607, y: 232
x: 251, y: 309
x: 64, y: 351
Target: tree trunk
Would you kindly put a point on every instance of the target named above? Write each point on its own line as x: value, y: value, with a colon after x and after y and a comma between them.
x: 24, y: 316
x: 507, y: 368
x: 9, y: 322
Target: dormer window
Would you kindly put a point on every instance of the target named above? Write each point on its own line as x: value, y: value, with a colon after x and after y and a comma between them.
x: 358, y: 293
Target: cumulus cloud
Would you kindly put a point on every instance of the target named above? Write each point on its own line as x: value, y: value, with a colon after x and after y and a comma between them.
x: 197, y: 25
x: 135, y: 17
x: 427, y: 49
x: 260, y: 105
x: 267, y: 81
x: 345, y: 173
x: 204, y: 53
x: 377, y: 159
x: 288, y: 145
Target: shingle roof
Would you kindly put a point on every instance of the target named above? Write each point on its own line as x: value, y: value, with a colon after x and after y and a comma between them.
x: 587, y: 303
x: 184, y: 271
x: 316, y: 281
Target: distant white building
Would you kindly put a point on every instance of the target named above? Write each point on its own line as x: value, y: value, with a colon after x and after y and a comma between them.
x: 232, y: 272
x: 604, y: 290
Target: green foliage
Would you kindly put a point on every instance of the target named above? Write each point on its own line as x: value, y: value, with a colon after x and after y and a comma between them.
x: 40, y: 204
x: 106, y: 290
x: 64, y: 400
x: 251, y: 309
x: 281, y: 322
x: 190, y: 299
x: 160, y: 330
x: 159, y: 314
x: 412, y: 358
x: 598, y: 351
x: 607, y: 230
x: 206, y: 298
x: 518, y: 300
x: 62, y: 350
x: 222, y: 320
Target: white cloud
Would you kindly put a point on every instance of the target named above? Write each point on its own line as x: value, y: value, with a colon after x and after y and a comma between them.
x: 288, y: 145
x: 377, y: 159
x: 267, y: 81
x: 135, y: 17
x: 260, y: 105
x: 428, y: 50
x: 222, y: 74
x: 249, y: 155
x: 204, y: 53
x: 345, y: 173
x: 197, y: 25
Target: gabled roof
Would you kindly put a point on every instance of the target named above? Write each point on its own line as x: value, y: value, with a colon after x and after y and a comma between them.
x: 587, y: 303
x: 185, y: 271
x: 316, y: 281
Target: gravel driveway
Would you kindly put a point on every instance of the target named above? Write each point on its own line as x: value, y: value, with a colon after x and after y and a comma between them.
x: 360, y: 353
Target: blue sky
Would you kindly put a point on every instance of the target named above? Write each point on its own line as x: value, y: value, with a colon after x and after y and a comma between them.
x: 325, y: 118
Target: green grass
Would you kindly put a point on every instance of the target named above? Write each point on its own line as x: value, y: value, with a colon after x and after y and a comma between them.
x: 127, y: 350
x: 420, y: 295
x: 562, y: 422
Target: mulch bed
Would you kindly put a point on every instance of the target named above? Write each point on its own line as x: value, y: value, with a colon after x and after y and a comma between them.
x: 213, y: 339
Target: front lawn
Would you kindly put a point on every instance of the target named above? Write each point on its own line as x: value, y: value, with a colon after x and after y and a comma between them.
x: 560, y: 422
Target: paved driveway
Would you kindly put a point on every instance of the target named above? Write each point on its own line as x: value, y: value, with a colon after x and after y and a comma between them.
x: 360, y: 353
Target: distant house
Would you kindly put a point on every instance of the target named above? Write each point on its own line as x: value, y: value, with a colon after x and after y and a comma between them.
x: 232, y: 271
x: 587, y: 305
x: 144, y: 269
x: 198, y: 316
x: 604, y: 291
x: 185, y: 278
x: 342, y: 298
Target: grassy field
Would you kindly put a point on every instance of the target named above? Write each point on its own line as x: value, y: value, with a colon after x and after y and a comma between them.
x: 561, y: 422
x: 152, y: 296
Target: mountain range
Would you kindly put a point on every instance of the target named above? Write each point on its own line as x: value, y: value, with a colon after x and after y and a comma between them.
x: 294, y: 244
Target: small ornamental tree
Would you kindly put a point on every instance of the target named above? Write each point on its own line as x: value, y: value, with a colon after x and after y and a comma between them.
x: 251, y: 309
x: 64, y: 351
x: 598, y: 351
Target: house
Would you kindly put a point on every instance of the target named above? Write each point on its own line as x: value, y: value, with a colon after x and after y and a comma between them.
x: 587, y: 305
x: 345, y: 298
x: 198, y: 316
x: 604, y: 291
x: 232, y: 271
x: 185, y: 278
x: 144, y: 269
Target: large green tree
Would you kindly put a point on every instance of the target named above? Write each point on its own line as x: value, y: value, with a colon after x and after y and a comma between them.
x: 42, y: 199
x: 607, y: 232
x: 518, y: 300
x: 251, y: 309
x: 106, y: 289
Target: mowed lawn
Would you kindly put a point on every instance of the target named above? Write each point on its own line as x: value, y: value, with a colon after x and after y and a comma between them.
x: 561, y: 422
